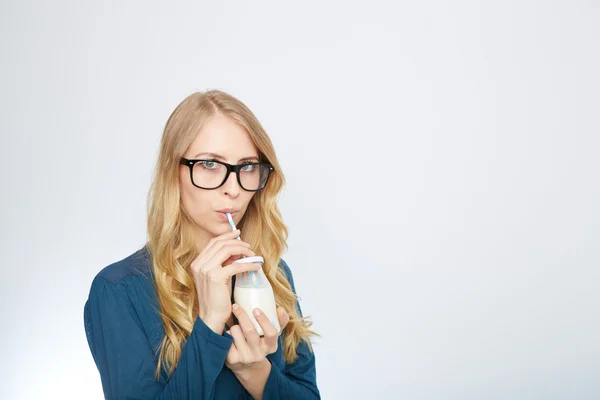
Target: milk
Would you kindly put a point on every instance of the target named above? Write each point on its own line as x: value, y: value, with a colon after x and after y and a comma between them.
x: 251, y: 298
x: 253, y: 290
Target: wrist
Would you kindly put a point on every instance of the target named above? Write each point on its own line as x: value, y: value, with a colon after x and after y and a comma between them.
x: 217, y: 327
x: 244, y: 373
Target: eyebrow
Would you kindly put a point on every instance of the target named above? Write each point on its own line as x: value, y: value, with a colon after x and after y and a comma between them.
x: 220, y: 157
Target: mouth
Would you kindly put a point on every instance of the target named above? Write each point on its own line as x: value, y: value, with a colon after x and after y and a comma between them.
x: 228, y: 210
x: 222, y: 214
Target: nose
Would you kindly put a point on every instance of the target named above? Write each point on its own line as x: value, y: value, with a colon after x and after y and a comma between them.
x: 231, y: 187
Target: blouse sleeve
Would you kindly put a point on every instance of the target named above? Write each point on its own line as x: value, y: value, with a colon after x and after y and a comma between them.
x: 125, y: 357
x: 298, y: 380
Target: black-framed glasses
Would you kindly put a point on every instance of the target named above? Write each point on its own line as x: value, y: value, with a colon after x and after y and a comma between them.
x: 212, y: 174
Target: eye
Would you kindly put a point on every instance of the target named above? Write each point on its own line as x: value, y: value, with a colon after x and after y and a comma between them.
x: 248, y: 167
x: 208, y: 164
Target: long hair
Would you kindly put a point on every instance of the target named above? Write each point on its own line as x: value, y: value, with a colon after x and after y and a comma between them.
x: 171, y: 239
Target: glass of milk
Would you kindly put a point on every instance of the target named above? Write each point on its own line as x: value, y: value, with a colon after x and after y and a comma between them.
x: 253, y: 290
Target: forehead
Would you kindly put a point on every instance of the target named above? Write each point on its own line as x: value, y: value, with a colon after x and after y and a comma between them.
x: 223, y: 136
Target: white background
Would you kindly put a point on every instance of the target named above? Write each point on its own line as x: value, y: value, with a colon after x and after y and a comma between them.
x: 442, y: 180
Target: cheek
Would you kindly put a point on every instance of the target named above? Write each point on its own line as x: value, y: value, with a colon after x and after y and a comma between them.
x: 247, y: 200
x: 192, y: 199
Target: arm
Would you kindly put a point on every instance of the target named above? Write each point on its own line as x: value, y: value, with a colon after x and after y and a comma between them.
x: 254, y: 380
x: 266, y: 381
x: 297, y: 380
x: 126, y: 360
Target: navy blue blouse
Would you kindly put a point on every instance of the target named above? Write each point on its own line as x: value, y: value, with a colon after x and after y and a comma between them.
x: 124, y: 330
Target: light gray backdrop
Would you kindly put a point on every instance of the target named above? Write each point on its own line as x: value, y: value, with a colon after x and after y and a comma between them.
x: 442, y: 165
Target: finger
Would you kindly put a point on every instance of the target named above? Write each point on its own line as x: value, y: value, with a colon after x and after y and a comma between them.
x: 211, y: 242
x: 231, y: 259
x: 223, y: 244
x: 240, y: 342
x: 270, y: 332
x: 230, y: 322
x: 224, y: 237
x: 268, y: 328
x: 284, y: 318
x: 233, y: 355
x: 234, y: 248
x: 238, y: 268
x: 225, y: 253
x: 247, y: 326
x: 218, y: 245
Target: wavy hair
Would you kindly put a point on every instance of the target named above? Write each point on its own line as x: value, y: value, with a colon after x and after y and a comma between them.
x: 171, y: 239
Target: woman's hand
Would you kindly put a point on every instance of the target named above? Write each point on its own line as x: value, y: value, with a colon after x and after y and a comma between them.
x: 249, y: 349
x: 212, y: 277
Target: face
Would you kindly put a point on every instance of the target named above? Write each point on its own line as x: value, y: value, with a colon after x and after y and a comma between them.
x: 230, y: 143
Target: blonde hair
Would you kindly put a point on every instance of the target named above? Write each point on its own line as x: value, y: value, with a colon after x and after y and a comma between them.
x: 171, y: 239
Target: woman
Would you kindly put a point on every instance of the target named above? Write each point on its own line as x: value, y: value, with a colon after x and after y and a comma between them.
x: 160, y: 323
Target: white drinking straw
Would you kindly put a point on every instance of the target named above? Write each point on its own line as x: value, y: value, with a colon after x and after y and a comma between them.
x: 233, y: 228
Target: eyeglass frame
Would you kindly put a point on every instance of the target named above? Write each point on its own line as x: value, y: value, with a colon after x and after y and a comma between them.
x: 230, y: 168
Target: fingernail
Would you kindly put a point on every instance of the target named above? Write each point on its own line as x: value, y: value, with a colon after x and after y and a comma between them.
x: 256, y: 312
x: 235, y: 307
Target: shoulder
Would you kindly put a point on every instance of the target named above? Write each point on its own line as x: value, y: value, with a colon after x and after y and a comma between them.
x: 284, y: 267
x: 135, y: 264
x: 287, y: 271
x: 121, y: 285
x: 120, y: 293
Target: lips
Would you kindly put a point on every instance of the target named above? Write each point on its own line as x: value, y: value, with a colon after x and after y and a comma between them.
x: 227, y: 210
x: 222, y: 214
